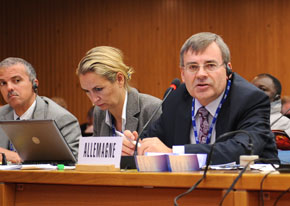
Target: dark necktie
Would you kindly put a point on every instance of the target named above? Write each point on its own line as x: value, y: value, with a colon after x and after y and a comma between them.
x: 204, y: 126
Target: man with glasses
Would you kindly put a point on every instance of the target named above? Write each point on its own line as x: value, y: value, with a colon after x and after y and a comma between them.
x: 211, y: 102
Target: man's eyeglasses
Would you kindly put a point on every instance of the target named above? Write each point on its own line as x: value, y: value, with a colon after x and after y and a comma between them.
x: 208, y: 67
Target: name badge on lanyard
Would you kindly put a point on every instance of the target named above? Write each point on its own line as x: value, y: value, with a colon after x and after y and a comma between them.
x: 214, y: 117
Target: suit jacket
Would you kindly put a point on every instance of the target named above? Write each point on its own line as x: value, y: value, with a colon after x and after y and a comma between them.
x: 47, y: 109
x: 139, y: 109
x: 246, y: 108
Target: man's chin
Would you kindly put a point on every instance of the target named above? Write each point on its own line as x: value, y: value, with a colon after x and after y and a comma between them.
x: 204, y: 98
x: 13, y: 102
x: 103, y: 107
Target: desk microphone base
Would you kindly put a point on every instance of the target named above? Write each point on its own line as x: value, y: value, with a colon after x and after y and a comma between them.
x: 128, y: 162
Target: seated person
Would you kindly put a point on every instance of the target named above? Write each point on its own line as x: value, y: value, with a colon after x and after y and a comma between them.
x: 18, y: 86
x: 105, y: 78
x: 211, y: 102
x: 272, y: 87
x: 87, y: 128
x: 286, y: 106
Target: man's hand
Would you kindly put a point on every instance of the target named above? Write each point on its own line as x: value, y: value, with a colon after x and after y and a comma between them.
x: 153, y: 144
x: 11, y: 156
x: 128, y: 146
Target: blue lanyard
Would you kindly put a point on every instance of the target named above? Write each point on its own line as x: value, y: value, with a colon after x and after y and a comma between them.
x: 214, y: 118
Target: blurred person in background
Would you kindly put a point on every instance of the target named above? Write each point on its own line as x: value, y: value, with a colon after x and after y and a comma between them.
x: 286, y: 106
x: 87, y: 127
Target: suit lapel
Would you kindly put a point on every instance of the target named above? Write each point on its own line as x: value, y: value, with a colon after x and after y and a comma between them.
x: 133, y: 109
x: 39, y: 112
x: 9, y: 115
x: 183, y: 116
x: 105, y: 130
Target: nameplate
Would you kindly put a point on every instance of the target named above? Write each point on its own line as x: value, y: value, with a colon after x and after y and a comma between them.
x: 100, y: 151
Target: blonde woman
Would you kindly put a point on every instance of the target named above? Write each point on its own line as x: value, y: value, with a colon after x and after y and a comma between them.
x: 105, y: 78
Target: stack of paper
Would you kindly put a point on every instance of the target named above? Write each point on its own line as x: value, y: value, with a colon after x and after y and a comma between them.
x: 10, y: 167
x: 161, y: 162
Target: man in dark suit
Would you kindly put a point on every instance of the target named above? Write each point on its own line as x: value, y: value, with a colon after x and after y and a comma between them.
x: 212, y: 101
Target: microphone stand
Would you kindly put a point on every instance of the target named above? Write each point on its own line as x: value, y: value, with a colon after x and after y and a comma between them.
x: 128, y: 162
x: 4, y: 160
x: 145, y: 126
x: 208, y: 160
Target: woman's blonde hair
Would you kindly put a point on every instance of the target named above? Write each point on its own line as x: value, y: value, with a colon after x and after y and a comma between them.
x: 107, y: 62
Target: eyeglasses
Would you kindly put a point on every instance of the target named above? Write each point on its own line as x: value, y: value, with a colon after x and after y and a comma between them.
x: 209, y: 67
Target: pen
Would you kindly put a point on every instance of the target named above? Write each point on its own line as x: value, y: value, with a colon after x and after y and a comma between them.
x: 122, y: 135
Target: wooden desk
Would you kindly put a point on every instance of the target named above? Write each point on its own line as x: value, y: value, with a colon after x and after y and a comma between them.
x: 133, y: 188
x: 248, y: 187
x: 116, y: 188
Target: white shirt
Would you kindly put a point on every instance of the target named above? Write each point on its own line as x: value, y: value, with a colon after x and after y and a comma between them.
x: 211, y: 108
x: 28, y: 114
x: 280, y: 122
x: 108, y: 119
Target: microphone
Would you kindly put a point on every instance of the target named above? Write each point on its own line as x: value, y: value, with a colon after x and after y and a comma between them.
x: 128, y: 162
x: 174, y: 84
x: 208, y: 160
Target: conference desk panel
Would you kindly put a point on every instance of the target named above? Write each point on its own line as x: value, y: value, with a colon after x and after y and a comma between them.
x: 248, y: 188
x: 112, y: 188
x: 133, y: 188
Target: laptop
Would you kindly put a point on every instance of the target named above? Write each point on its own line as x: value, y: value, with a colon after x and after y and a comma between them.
x: 38, y: 141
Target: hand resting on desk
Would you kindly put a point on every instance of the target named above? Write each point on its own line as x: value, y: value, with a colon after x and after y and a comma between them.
x: 128, y: 146
x: 11, y: 156
x: 153, y: 144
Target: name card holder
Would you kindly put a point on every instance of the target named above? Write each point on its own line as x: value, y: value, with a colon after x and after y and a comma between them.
x: 96, y: 168
x: 99, y: 154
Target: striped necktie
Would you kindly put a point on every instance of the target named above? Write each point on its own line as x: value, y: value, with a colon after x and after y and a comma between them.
x: 204, y: 125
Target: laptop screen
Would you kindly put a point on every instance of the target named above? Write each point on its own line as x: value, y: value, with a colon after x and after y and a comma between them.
x: 38, y: 141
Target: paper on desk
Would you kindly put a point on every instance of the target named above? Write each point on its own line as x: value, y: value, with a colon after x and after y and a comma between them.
x: 227, y: 166
x: 263, y: 167
x: 10, y: 167
x: 38, y: 167
x: 233, y: 166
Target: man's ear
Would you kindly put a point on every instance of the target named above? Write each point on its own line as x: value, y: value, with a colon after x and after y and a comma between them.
x: 229, y: 70
x: 36, y: 82
x: 35, y: 85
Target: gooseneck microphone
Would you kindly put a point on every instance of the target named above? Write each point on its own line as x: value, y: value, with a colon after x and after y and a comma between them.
x: 174, y: 85
x: 128, y: 162
x: 4, y: 160
x: 208, y: 160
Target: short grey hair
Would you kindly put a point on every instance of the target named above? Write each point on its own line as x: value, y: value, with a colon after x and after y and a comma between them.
x: 10, y: 61
x: 200, y: 41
